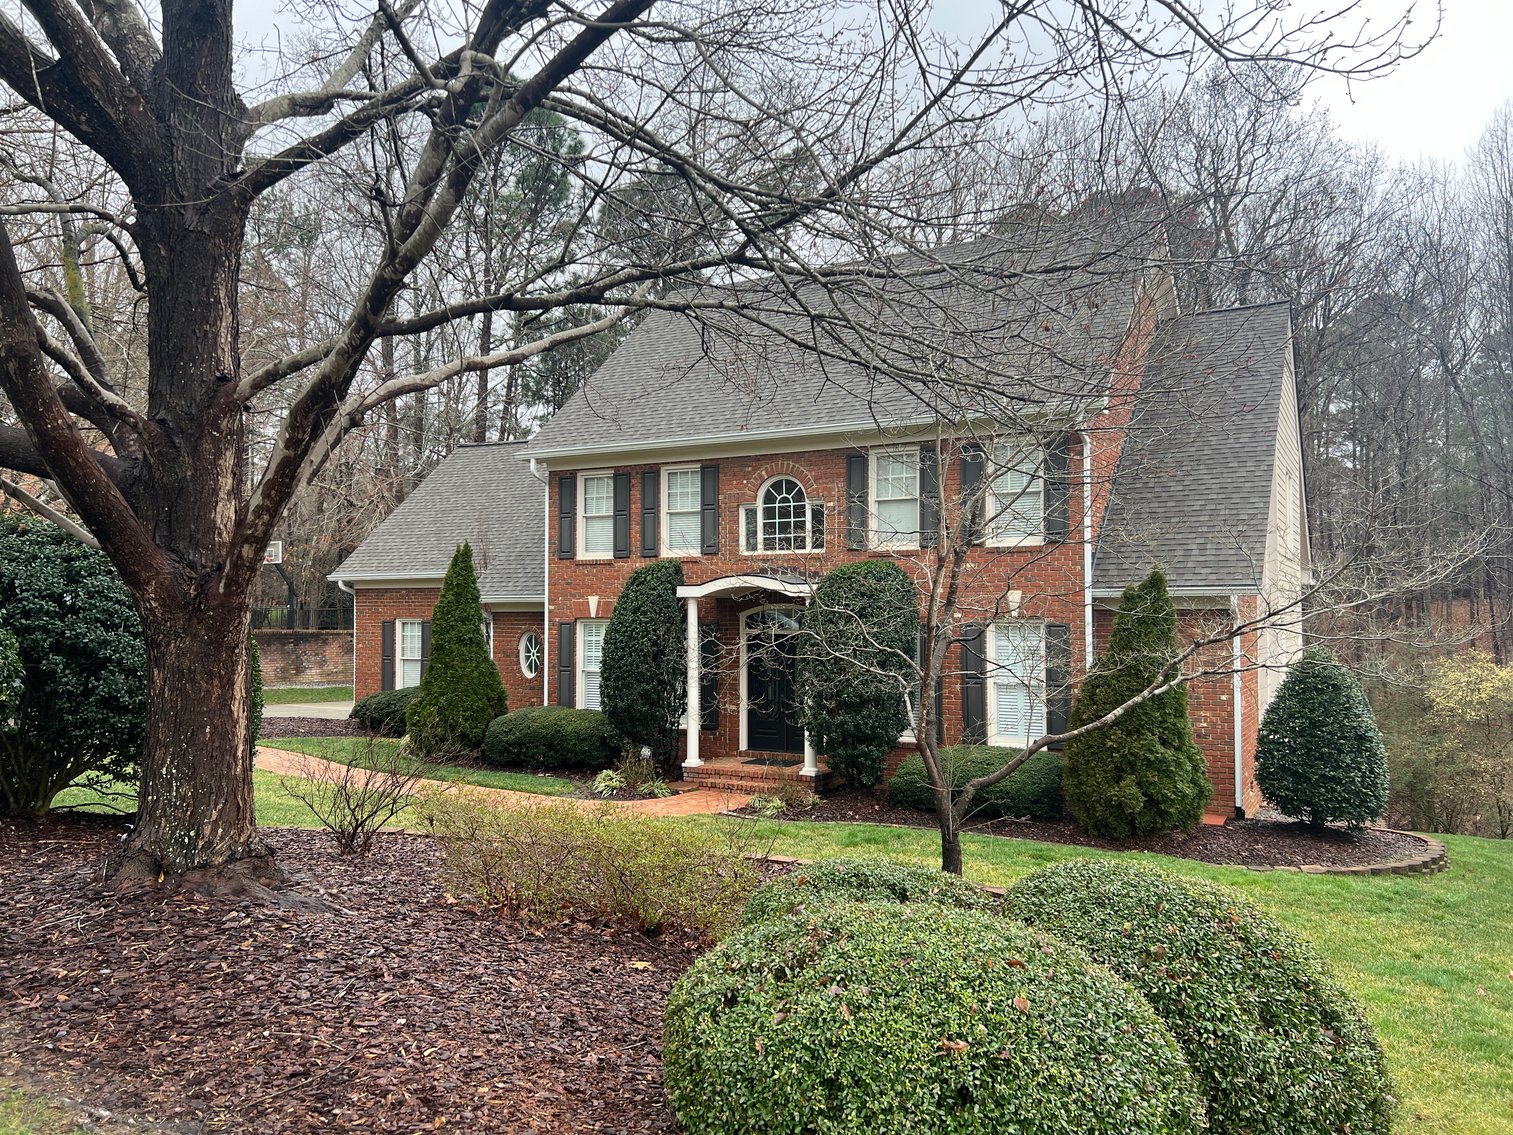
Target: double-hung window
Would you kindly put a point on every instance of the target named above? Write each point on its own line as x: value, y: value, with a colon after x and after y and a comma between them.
x: 1015, y: 504
x: 682, y: 502
x: 598, y: 513
x: 411, y: 653
x: 590, y: 656
x: 1016, y: 681
x: 895, y: 493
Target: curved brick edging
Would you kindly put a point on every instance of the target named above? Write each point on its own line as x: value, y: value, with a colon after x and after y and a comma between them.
x: 1434, y: 859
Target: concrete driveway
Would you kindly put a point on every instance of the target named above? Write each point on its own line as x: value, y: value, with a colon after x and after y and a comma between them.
x: 332, y: 710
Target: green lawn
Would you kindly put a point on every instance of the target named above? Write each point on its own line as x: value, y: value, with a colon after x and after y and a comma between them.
x: 1430, y: 956
x: 22, y: 1113
x: 283, y: 695
x: 275, y: 807
x: 361, y: 750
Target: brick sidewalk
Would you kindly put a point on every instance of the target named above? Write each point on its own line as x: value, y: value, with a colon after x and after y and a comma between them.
x: 694, y: 802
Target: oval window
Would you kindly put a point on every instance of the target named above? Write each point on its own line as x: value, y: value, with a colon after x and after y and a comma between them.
x: 530, y: 654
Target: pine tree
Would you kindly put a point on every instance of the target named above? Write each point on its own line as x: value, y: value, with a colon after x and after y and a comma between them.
x: 1320, y: 756
x: 460, y: 692
x: 644, y: 669
x: 1143, y: 774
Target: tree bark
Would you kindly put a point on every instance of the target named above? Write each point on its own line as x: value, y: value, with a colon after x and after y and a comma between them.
x: 950, y: 834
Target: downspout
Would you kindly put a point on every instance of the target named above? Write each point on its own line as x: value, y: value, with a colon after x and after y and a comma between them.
x: 1236, y: 656
x: 1087, y: 550
x: 342, y: 584
x: 539, y: 472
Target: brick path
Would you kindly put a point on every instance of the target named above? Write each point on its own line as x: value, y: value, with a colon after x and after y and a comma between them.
x: 692, y: 802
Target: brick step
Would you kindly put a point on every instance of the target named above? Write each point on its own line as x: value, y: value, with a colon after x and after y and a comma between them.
x: 754, y: 779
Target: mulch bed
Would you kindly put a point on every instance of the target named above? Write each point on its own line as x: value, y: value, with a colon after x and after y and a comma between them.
x: 313, y: 727
x: 400, y: 1011
x: 1248, y: 843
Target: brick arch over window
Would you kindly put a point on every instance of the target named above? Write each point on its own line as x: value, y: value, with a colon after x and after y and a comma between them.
x: 786, y: 515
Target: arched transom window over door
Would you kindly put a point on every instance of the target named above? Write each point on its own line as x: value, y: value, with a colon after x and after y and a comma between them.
x: 785, y: 519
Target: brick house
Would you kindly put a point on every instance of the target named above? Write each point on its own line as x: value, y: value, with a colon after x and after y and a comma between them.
x: 760, y: 461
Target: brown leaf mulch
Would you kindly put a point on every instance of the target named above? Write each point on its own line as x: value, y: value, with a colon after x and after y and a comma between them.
x: 1248, y: 843
x: 400, y: 1011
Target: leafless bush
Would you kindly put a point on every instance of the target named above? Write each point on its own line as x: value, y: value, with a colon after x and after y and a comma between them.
x: 356, y: 796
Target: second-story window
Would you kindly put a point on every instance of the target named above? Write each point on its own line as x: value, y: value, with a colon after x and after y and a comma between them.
x: 598, y: 514
x: 783, y: 519
x: 896, y: 497
x: 683, y: 502
x: 1015, y: 498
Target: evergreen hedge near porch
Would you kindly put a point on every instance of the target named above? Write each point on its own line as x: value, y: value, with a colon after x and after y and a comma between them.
x: 644, y: 669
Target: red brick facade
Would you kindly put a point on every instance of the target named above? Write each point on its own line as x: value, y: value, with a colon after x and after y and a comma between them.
x: 304, y: 658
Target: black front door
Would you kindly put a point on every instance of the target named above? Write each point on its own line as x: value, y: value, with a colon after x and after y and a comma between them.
x: 772, y: 723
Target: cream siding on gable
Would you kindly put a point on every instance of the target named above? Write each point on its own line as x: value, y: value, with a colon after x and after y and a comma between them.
x: 1285, y: 566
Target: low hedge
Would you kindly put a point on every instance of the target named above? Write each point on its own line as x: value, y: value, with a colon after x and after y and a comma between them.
x: 895, y: 1019
x: 1281, y: 1047
x: 855, y: 880
x: 385, y: 712
x: 1032, y: 791
x: 551, y: 737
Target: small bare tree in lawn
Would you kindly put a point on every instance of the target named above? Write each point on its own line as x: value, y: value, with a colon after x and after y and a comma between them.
x: 788, y: 134
x: 354, y: 796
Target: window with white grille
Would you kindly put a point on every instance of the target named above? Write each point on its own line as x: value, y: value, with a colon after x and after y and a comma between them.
x: 1016, y: 679
x: 683, y: 500
x: 590, y: 655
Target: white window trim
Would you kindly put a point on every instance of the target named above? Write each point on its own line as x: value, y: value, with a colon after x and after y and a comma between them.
x: 540, y: 654
x: 578, y: 671
x: 875, y: 539
x: 662, y: 523
x: 992, y: 507
x: 581, y: 518
x: 990, y: 699
x: 399, y: 655
x: 809, y: 500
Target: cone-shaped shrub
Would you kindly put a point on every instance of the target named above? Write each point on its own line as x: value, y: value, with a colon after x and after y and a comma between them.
x: 911, y: 1020
x: 644, y: 668
x: 1320, y: 756
x: 1143, y: 774
x: 1280, y: 1047
x: 460, y: 692
x: 860, y: 632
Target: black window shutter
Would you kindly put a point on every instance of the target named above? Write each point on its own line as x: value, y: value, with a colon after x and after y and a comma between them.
x: 651, y: 510
x: 567, y: 515
x: 1057, y: 486
x: 856, y: 501
x: 1058, y: 673
x: 622, y: 515
x: 929, y: 495
x: 709, y: 676
x: 386, y: 664
x: 972, y: 461
x: 425, y: 646
x: 709, y: 509
x: 974, y: 686
x: 567, y: 685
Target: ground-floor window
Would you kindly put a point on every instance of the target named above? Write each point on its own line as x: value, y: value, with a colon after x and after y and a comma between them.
x: 411, y: 652
x: 530, y: 654
x: 1016, y: 681
x: 590, y: 654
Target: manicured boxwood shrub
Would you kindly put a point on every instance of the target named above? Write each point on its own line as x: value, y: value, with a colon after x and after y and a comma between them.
x: 1280, y: 1046
x: 384, y: 712
x: 887, y: 1019
x: 856, y: 880
x: 1032, y: 791
x: 644, y: 666
x: 551, y: 737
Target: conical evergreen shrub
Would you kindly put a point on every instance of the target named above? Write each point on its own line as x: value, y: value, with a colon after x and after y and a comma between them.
x: 644, y: 668
x: 460, y: 692
x: 1143, y: 774
x: 1320, y: 756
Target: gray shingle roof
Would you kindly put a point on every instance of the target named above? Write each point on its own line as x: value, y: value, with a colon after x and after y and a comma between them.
x: 484, y: 494
x: 1193, y: 490
x: 1026, y: 317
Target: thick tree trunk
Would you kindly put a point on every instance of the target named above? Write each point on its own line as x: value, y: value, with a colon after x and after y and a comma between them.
x: 950, y: 837
x: 196, y: 812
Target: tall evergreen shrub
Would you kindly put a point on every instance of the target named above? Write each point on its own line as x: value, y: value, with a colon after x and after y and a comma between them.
x: 460, y: 692
x: 1320, y: 756
x: 1143, y: 774
x: 644, y: 670
x: 859, y: 635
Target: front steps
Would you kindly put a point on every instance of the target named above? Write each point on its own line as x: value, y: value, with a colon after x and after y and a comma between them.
x: 735, y: 774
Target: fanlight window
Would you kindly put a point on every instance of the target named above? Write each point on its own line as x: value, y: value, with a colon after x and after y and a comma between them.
x: 783, y: 520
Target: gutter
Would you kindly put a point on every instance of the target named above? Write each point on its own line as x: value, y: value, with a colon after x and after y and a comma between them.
x: 538, y: 471
x: 1236, y: 656
x: 342, y: 584
x: 1087, y: 550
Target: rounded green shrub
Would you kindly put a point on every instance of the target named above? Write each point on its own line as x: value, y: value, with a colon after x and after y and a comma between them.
x: 460, y: 691
x: 1320, y: 756
x: 1280, y: 1046
x: 551, y: 737
x: 893, y: 1019
x: 384, y: 712
x: 1032, y: 791
x: 862, y: 880
x: 644, y: 667
x: 855, y: 662
x: 1142, y: 774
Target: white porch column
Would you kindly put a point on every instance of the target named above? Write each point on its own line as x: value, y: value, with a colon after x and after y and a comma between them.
x: 691, y: 758
x: 811, y: 762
